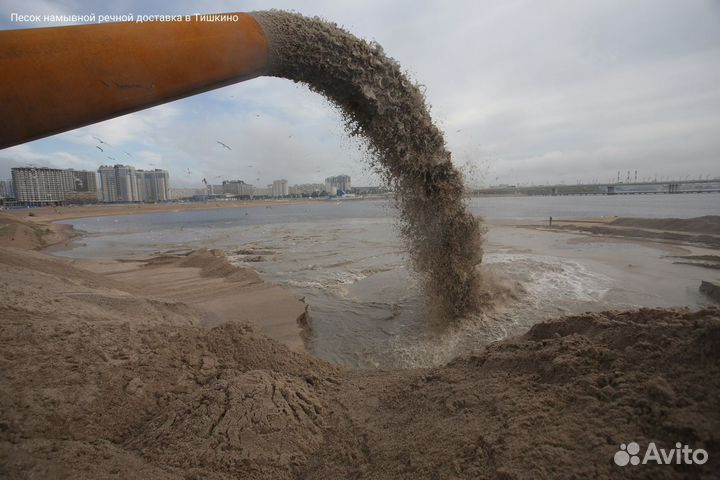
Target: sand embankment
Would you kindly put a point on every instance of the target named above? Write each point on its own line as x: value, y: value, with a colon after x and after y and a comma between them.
x: 704, y: 231
x: 28, y: 234
x: 102, y: 380
x: 205, y: 280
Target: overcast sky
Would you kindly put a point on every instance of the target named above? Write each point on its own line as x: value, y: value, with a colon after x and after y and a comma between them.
x: 525, y: 91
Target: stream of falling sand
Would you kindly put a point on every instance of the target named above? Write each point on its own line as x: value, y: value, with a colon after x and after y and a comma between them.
x: 384, y: 107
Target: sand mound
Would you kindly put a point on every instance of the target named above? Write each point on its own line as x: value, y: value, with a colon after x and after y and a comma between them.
x: 214, y: 263
x: 99, y: 383
x: 709, y: 224
x: 699, y: 230
x: 19, y: 233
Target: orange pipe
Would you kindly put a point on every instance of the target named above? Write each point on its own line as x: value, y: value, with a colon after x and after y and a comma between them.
x: 61, y: 78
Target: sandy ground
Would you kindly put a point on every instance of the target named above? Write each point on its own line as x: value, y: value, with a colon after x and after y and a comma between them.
x: 205, y: 280
x: 101, y: 380
x: 703, y: 231
x: 28, y: 233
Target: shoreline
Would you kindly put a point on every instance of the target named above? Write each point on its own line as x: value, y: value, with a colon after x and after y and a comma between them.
x: 55, y: 214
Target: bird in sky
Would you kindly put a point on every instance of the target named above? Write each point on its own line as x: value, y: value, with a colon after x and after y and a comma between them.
x: 111, y: 158
x: 98, y: 147
x: 100, y: 140
x: 221, y: 143
x: 188, y: 171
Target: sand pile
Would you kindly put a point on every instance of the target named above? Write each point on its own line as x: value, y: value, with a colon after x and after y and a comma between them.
x: 709, y: 224
x: 26, y: 234
x: 384, y: 107
x: 100, y: 381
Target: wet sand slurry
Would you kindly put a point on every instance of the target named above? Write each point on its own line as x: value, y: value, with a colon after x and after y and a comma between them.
x: 383, y: 106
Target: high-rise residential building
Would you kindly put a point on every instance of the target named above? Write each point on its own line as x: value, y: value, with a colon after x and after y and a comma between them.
x: 6, y: 189
x: 118, y: 183
x: 338, y: 183
x: 280, y: 188
x: 122, y: 183
x: 53, y: 186
x: 153, y: 185
x: 85, y: 187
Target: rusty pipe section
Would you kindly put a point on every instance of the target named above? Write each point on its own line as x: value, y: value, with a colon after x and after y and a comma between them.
x: 61, y: 78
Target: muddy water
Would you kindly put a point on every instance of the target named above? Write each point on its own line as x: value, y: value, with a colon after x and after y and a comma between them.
x: 381, y: 105
x: 366, y: 310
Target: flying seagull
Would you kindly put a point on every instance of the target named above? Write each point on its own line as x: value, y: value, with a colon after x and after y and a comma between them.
x: 221, y: 143
x: 111, y: 158
x: 100, y: 140
x: 98, y: 147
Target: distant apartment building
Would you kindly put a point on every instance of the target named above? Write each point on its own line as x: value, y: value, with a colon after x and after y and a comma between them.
x: 6, y: 189
x: 122, y: 183
x: 85, y: 188
x: 338, y: 183
x: 237, y: 188
x: 280, y: 188
x: 153, y: 185
x: 118, y: 183
x: 38, y: 186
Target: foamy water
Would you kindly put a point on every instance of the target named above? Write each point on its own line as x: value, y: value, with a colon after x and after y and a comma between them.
x: 365, y: 308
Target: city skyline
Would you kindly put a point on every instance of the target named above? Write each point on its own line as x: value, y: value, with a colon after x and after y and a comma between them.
x: 120, y: 183
x: 241, y: 187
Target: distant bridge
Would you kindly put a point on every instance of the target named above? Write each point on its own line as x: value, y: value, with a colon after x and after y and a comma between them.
x: 619, y: 188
